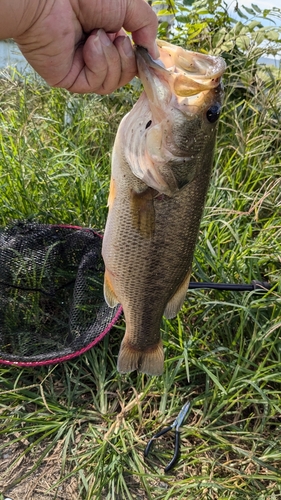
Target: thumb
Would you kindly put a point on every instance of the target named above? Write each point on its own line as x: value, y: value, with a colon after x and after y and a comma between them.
x: 142, y: 22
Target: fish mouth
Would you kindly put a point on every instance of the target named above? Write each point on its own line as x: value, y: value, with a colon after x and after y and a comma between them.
x: 180, y: 89
x: 186, y: 73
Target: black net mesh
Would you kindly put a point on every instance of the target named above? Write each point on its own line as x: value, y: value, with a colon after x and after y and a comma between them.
x: 51, y: 293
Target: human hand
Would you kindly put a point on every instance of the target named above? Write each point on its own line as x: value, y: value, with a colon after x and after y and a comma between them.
x: 81, y: 45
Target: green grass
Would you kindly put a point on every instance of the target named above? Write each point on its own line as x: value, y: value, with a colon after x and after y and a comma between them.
x: 78, y: 430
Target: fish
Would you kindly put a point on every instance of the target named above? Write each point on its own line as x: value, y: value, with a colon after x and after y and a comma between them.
x: 161, y: 167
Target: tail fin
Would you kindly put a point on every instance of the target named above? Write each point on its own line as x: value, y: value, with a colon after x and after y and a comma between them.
x: 150, y: 361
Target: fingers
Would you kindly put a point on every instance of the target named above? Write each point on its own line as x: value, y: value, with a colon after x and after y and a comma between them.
x: 102, y: 65
x: 136, y: 16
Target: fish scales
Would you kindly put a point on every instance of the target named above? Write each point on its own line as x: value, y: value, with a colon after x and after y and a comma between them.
x: 161, y: 168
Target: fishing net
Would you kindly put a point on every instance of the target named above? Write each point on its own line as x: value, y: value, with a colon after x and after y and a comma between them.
x: 51, y: 293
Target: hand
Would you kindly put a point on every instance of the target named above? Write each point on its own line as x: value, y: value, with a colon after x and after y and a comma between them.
x: 81, y: 45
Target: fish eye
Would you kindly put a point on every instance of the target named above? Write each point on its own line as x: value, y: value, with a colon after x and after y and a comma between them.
x: 148, y: 124
x: 213, y: 113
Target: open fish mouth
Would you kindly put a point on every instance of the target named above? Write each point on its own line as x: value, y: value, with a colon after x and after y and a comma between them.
x: 187, y: 73
x: 182, y: 90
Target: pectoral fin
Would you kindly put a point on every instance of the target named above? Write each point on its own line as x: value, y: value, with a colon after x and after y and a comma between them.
x: 176, y: 302
x: 108, y: 290
x: 143, y: 214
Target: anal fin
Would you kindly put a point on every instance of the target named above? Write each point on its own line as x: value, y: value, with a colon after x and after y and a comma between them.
x: 175, y: 303
x: 108, y: 291
x: 149, y: 361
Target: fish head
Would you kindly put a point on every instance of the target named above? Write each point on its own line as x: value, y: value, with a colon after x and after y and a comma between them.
x: 174, y: 122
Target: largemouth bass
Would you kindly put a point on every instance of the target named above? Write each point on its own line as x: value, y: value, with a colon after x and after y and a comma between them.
x: 161, y: 167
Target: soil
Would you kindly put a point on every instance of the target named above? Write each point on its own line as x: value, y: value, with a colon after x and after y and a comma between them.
x: 38, y: 485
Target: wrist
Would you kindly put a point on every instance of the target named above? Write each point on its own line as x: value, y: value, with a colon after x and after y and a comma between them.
x: 17, y: 16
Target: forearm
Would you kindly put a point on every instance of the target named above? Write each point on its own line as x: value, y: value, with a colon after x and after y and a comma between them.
x: 16, y: 16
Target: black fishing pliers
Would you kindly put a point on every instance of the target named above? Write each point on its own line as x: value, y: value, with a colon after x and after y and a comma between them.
x: 175, y: 425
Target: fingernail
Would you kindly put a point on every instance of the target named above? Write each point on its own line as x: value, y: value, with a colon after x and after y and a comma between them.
x: 127, y: 47
x: 103, y: 38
